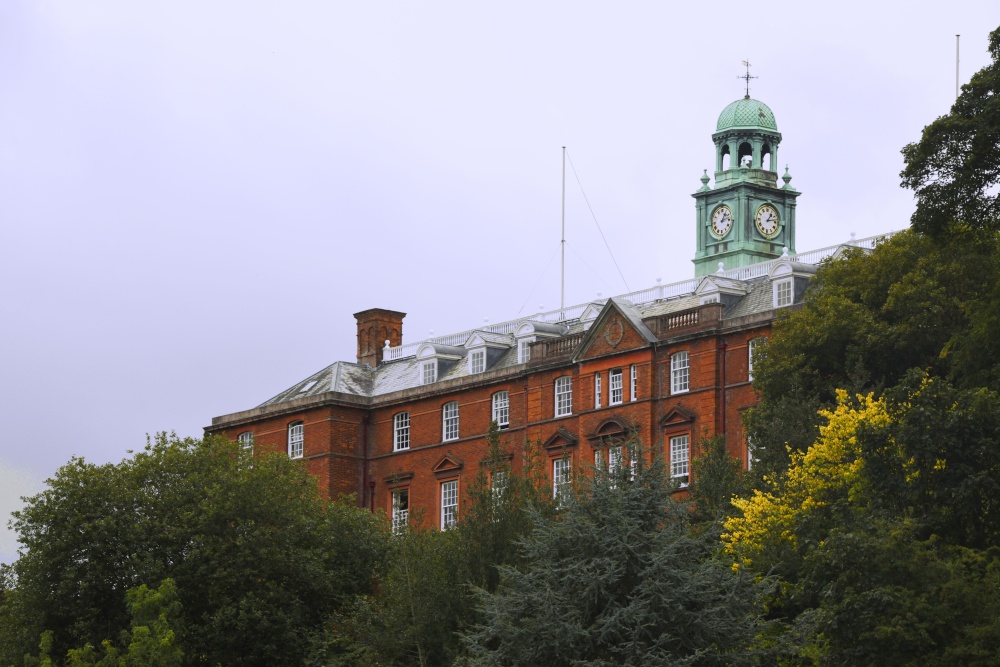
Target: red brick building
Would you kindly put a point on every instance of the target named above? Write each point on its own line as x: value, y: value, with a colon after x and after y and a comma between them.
x: 405, y: 426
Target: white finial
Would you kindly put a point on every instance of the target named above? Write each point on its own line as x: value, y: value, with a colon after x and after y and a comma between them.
x: 722, y: 267
x: 387, y: 343
x: 658, y: 280
x: 784, y: 252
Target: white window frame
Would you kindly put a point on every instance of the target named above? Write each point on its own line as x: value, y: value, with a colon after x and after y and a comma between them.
x: 245, y: 439
x: 633, y: 383
x: 564, y: 396
x: 783, y: 293
x: 296, y: 440
x: 680, y: 372
x: 751, y: 346
x: 562, y: 477
x: 400, y: 514
x: 449, y: 504
x: 449, y: 421
x: 501, y: 408
x: 680, y: 457
x: 498, y: 483
x: 524, y: 350
x: 401, y: 431
x: 597, y: 390
x: 615, y: 397
x: 428, y: 372
x: 477, y: 362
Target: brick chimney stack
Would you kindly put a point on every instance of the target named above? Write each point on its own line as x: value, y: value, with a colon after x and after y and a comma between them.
x: 375, y: 326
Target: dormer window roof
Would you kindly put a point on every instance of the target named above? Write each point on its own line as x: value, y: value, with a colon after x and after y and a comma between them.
x: 485, y: 348
x: 591, y: 312
x: 719, y: 289
x: 540, y: 330
x: 433, y: 359
x: 788, y: 280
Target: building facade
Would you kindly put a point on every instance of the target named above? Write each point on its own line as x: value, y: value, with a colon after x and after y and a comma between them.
x: 404, y: 426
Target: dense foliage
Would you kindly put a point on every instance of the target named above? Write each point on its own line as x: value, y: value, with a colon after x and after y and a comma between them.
x: 876, y: 493
x: 258, y: 558
x: 954, y: 168
x: 618, y: 577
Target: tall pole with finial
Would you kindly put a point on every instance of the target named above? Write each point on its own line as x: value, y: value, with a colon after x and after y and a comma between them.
x: 956, y: 65
x: 562, y: 272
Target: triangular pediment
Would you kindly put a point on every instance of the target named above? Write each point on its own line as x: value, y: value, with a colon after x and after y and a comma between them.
x: 447, y: 463
x: 475, y: 340
x: 616, y: 329
x: 677, y: 415
x: 560, y: 440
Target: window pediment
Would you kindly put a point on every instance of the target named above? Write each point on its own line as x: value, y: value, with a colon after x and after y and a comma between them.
x: 561, y: 439
x: 677, y: 416
x: 447, y: 464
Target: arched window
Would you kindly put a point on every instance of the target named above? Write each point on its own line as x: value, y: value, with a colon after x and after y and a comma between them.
x: 295, y: 440
x: 246, y: 440
x: 564, y: 396
x: 745, y: 155
x: 725, y: 157
x: 765, y: 157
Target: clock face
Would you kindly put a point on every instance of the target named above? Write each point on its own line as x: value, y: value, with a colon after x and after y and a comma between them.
x: 722, y: 221
x: 767, y: 221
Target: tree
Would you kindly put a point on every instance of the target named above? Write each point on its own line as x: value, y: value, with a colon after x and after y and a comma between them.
x: 260, y: 560
x: 425, y: 599
x: 883, y: 533
x: 954, y: 169
x: 151, y: 642
x: 868, y: 319
x: 718, y: 478
x: 617, y: 578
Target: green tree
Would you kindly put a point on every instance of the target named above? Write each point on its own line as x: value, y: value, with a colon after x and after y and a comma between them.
x: 718, y: 478
x: 954, y: 169
x: 260, y: 560
x: 152, y: 640
x: 868, y: 319
x: 617, y: 578
x: 425, y: 597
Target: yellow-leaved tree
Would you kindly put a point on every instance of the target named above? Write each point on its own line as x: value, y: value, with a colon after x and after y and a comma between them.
x: 796, y: 510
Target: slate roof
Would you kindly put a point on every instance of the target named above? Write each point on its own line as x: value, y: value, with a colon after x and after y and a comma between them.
x: 401, y: 374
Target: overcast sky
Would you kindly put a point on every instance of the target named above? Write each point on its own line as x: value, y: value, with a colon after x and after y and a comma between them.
x: 196, y: 196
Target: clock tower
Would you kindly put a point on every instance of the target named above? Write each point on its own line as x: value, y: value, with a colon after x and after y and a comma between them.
x: 746, y: 218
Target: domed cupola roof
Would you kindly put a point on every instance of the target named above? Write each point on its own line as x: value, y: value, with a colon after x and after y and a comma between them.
x: 746, y: 113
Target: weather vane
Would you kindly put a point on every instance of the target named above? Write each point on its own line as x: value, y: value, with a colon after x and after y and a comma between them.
x: 747, y: 77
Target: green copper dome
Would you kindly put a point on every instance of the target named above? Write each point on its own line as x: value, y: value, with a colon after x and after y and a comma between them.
x: 746, y: 113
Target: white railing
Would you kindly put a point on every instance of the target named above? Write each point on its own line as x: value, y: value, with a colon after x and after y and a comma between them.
x: 648, y: 295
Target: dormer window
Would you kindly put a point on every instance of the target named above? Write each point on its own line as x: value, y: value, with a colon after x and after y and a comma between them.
x: 783, y: 293
x: 477, y: 361
x: 428, y: 372
x: 524, y: 351
x: 435, y: 360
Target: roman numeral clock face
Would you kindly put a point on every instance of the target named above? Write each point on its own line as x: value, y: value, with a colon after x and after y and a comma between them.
x: 722, y: 221
x: 767, y: 221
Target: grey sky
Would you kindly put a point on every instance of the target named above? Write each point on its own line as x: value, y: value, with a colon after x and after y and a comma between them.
x: 195, y: 197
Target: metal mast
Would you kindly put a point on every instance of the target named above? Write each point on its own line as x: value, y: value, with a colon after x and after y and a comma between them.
x: 562, y: 273
x: 956, y: 65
